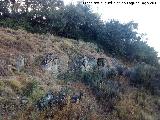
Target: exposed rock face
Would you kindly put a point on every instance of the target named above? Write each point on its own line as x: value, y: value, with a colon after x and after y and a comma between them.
x: 76, y: 63
x: 88, y: 63
x: 50, y: 63
x: 111, y: 67
x: 54, y: 64
x: 47, y: 100
x: 20, y: 62
x: 82, y: 63
x: 103, y: 67
x: 59, y: 99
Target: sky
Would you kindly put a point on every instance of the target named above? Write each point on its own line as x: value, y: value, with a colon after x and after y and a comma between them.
x: 146, y: 15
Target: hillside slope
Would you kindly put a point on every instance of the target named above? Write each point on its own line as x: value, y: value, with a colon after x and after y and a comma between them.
x: 32, y: 65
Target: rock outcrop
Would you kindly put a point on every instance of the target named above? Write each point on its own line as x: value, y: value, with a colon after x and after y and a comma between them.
x: 50, y: 63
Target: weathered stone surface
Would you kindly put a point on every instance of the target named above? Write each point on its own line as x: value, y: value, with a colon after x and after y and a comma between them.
x: 47, y: 101
x: 24, y: 100
x: 82, y: 63
x: 75, y: 63
x: 88, y: 63
x: 50, y: 63
x: 57, y: 99
x: 20, y: 62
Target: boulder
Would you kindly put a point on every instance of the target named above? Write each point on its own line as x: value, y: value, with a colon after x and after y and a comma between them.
x: 45, y: 101
x: 76, y: 63
x: 88, y: 63
x: 82, y: 63
x: 24, y: 100
x: 51, y: 99
x: 20, y: 62
x: 50, y: 63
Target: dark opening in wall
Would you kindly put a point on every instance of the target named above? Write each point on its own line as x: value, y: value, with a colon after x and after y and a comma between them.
x: 101, y: 62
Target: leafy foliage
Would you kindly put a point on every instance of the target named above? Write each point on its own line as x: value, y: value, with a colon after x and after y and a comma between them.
x: 30, y: 87
x: 142, y: 75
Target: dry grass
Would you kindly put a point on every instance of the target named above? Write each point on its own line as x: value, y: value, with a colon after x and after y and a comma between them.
x: 15, y: 42
x: 2, y: 85
x: 133, y: 105
x: 127, y: 108
x: 136, y: 105
x: 15, y: 85
x: 81, y: 110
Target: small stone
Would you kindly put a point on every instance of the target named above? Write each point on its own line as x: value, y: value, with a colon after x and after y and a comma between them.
x: 24, y: 100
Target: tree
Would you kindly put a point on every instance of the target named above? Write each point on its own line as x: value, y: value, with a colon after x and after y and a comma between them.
x: 4, y: 11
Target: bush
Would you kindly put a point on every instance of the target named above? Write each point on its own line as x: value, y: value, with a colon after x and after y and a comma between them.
x: 112, y: 73
x: 29, y: 88
x: 70, y: 76
x: 112, y: 87
x: 142, y: 75
x: 127, y: 72
x: 33, y: 91
x: 2, y: 85
x: 108, y: 94
x: 16, y: 23
x: 155, y: 86
x: 120, y: 69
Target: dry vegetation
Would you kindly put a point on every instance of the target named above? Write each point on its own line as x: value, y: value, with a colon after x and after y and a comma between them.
x: 34, y: 82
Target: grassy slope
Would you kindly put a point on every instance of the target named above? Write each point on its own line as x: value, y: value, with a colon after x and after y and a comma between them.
x: 32, y: 47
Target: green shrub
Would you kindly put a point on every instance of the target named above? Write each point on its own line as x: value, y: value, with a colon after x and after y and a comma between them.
x: 30, y: 87
x: 16, y: 24
x: 33, y: 91
x: 142, y: 75
x: 36, y: 94
x: 2, y: 85
x: 70, y: 76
